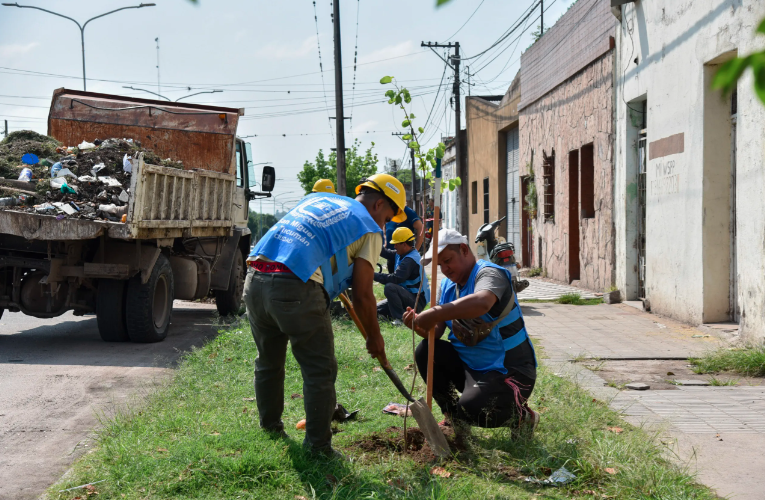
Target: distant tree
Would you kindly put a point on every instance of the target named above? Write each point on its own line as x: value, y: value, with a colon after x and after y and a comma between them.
x: 253, y: 222
x: 357, y: 167
x: 405, y: 176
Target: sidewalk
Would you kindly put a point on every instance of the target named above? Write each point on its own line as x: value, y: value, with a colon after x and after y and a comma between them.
x: 718, y: 431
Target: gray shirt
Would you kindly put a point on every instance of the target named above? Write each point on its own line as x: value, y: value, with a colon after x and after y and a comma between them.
x: 520, y: 358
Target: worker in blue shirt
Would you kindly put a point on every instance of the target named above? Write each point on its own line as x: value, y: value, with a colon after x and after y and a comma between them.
x: 414, y: 223
x: 484, y: 373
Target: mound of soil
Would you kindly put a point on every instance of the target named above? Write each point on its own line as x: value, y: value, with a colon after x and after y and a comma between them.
x: 392, y: 440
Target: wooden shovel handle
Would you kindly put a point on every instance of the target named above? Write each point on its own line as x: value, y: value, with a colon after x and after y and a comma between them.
x: 352, y: 313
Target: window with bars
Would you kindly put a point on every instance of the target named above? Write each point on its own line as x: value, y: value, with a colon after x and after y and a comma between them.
x: 486, y: 200
x: 548, y: 181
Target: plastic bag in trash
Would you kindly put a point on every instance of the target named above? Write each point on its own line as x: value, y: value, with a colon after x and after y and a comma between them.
x: 57, y: 182
x: 558, y: 478
x: 127, y: 164
x: 55, y: 169
x: 124, y: 196
x: 63, y: 172
x: 30, y: 159
x: 85, y: 145
x: 25, y: 175
x: 97, y: 168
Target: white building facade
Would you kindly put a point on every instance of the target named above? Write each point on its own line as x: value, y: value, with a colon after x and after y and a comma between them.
x: 689, y: 208
x: 449, y: 199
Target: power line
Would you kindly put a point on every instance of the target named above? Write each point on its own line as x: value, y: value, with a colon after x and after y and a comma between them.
x: 321, y: 69
x: 506, y: 34
x: 465, y: 23
x: 355, y: 58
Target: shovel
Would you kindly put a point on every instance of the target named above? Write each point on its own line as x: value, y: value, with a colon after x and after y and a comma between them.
x: 420, y: 409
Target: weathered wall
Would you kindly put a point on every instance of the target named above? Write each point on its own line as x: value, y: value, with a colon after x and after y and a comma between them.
x: 576, y: 113
x: 486, y: 123
x: 678, y: 47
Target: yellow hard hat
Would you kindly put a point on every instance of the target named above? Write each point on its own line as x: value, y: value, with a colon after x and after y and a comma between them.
x: 401, y: 235
x: 324, y: 186
x: 390, y: 187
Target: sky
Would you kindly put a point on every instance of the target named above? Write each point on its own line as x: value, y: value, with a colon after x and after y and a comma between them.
x: 265, y: 57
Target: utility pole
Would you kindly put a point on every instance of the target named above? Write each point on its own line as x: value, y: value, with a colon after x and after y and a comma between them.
x: 5, y: 134
x: 340, y: 121
x: 414, y: 173
x: 541, y: 17
x: 462, y: 213
x: 157, y: 40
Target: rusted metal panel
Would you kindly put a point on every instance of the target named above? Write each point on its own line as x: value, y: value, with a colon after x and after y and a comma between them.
x: 202, y: 137
x: 46, y: 227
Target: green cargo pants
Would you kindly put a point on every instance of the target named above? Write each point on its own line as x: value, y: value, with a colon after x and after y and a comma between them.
x: 282, y: 308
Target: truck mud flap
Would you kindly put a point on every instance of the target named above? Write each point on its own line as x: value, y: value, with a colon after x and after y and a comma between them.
x: 221, y: 272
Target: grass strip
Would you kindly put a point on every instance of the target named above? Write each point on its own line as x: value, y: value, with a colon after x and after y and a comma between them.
x: 198, y: 437
x: 747, y: 361
x: 568, y: 298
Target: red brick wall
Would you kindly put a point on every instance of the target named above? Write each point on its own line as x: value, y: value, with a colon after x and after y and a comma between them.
x: 578, y: 38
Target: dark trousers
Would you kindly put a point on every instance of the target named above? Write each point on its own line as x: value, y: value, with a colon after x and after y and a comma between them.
x: 486, y: 401
x: 281, y: 308
x: 397, y: 299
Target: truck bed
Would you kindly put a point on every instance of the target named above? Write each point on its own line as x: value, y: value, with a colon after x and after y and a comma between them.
x: 164, y: 203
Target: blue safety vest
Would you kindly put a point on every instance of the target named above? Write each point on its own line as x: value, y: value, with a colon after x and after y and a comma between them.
x: 321, y: 226
x: 488, y: 354
x: 413, y: 285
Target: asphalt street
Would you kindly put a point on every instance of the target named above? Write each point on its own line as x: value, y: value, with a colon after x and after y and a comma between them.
x: 58, y: 378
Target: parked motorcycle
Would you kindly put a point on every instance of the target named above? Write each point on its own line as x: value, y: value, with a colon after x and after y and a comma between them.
x: 500, y: 253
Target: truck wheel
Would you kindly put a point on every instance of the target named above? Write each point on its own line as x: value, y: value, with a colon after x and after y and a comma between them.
x: 149, y: 306
x: 110, y: 310
x: 229, y: 301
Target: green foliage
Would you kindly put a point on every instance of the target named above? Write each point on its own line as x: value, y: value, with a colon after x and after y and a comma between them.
x: 405, y: 176
x: 749, y: 361
x: 535, y: 271
x: 729, y: 73
x: 253, y: 222
x: 531, y: 193
x: 577, y: 300
x: 357, y: 166
x: 197, y: 437
x: 425, y: 161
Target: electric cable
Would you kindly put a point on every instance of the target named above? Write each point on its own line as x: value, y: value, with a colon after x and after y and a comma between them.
x: 355, y: 60
x: 468, y: 20
x: 321, y: 69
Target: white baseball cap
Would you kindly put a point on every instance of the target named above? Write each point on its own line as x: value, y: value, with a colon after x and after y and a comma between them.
x: 446, y: 237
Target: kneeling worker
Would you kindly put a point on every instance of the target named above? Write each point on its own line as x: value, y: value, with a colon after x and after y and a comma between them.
x: 488, y: 358
x: 402, y: 286
x: 318, y: 249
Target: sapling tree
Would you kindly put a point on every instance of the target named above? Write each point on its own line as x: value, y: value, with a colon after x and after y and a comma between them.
x: 424, y: 160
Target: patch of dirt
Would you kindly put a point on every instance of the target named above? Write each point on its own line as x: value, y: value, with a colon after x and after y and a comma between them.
x: 659, y: 374
x: 392, y: 440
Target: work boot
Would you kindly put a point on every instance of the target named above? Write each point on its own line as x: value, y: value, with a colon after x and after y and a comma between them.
x: 327, y: 453
x: 277, y: 430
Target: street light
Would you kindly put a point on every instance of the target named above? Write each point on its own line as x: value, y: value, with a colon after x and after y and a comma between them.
x: 278, y: 195
x: 82, y: 27
x: 163, y: 97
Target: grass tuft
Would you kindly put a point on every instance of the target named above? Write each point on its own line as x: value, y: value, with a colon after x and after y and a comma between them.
x: 749, y: 362
x: 198, y: 437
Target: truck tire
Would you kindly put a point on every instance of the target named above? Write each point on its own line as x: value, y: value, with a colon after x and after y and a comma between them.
x: 110, y: 310
x: 229, y: 301
x: 149, y: 306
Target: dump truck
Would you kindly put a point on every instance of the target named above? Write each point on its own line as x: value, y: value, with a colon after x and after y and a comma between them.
x: 184, y: 236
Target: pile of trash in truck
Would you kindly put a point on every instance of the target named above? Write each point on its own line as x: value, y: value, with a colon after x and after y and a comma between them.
x: 89, y: 181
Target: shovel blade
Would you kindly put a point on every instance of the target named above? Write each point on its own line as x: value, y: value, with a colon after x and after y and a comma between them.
x: 429, y: 427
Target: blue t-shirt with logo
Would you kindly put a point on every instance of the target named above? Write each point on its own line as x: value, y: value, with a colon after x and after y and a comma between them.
x: 411, y: 216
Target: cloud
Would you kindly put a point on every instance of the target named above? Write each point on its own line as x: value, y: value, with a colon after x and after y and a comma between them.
x: 17, y: 49
x: 391, y: 51
x: 289, y: 51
